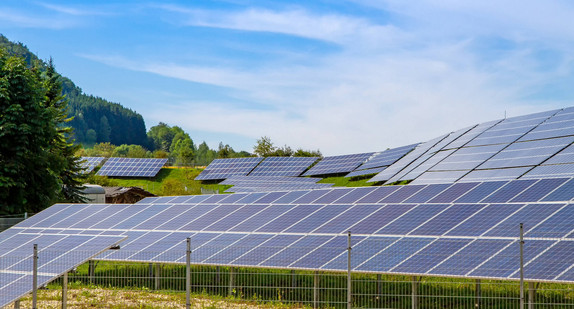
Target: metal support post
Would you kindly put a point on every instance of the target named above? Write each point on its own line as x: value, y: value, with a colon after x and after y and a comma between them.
x: 188, y: 274
x: 218, y: 274
x: 293, y: 281
x: 65, y: 290
x: 477, y: 294
x: 521, y: 266
x: 379, y: 286
x: 414, y: 293
x: 35, y: 278
x: 531, y: 295
x: 17, y: 304
x: 91, y: 270
x: 231, y: 280
x: 316, y: 289
x: 349, y: 283
x: 157, y: 276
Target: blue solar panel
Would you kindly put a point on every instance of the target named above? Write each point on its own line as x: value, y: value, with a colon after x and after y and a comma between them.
x: 551, y: 263
x: 262, y: 217
x: 563, y: 193
x: 507, y: 261
x: 509, y: 191
x: 89, y: 163
x: 270, y: 198
x: 323, y: 254
x: 369, y: 171
x: 338, y: 164
x: 434, y: 253
x: 394, y: 254
x: 230, y: 253
x: 269, y: 248
x: 311, y: 196
x: 453, y: 192
x: 376, y: 220
x: 539, y: 190
x: 439, y: 177
x: 401, y: 194
x: 427, y: 193
x: 387, y: 157
x: 378, y: 194
x: 495, y: 174
x: 546, y: 171
x: 290, y: 197
x: 331, y: 196
x: 467, y: 158
x: 412, y: 219
x: 237, y: 217
x: 472, y: 133
x: 529, y: 215
x: 214, y: 246
x: 225, y: 168
x: 319, y: 217
x: 460, y: 263
x: 427, y: 164
x: 292, y: 253
x: 131, y: 167
x: 287, y: 219
x: 557, y: 226
x: 344, y: 221
x: 480, y: 192
x: 483, y: 220
x: 358, y: 194
x: 447, y: 219
x: 283, y: 166
x: 363, y: 250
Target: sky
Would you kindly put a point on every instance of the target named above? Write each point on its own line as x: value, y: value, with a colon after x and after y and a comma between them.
x: 339, y: 76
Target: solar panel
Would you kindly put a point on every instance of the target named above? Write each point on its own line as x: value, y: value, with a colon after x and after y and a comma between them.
x: 131, y: 167
x: 89, y: 163
x: 369, y: 171
x: 225, y: 168
x: 387, y: 157
x: 283, y: 166
x: 338, y: 164
x: 57, y: 254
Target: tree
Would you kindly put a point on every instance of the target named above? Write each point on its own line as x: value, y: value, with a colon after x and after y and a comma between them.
x: 36, y: 161
x: 264, y: 147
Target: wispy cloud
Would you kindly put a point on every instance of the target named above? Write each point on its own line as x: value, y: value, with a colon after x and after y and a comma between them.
x: 11, y: 18
x: 387, y: 85
x: 73, y: 10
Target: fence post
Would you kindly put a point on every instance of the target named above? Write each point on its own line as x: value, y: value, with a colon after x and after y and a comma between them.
x: 531, y: 295
x: 521, y: 266
x: 231, y: 281
x: 379, y: 286
x: 35, y: 278
x: 477, y: 294
x: 17, y: 304
x: 316, y: 290
x: 414, y: 293
x: 293, y: 281
x: 157, y: 283
x: 91, y: 270
x: 349, y: 285
x: 188, y: 274
x: 65, y: 291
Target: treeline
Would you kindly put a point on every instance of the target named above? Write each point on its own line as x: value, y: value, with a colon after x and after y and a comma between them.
x: 166, y: 142
x: 95, y: 120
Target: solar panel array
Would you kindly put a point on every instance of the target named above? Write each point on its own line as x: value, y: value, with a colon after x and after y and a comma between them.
x: 461, y: 229
x: 89, y: 163
x: 272, y: 183
x: 58, y: 253
x: 381, y: 160
x: 531, y: 146
x: 131, y: 167
x: 338, y: 164
x: 283, y: 166
x: 225, y: 168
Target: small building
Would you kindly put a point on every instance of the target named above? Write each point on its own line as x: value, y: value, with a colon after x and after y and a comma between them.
x: 94, y: 194
x: 125, y: 195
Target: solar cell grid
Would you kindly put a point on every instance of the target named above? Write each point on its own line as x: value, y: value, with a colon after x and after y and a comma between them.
x: 439, y: 177
x: 426, y: 165
x: 338, y: 164
x: 530, y: 215
x: 369, y: 171
x: 394, y: 254
x: 509, y: 191
x: 89, y: 163
x: 283, y: 166
x: 431, y: 255
x: 131, y: 167
x: 224, y: 168
x: 547, y: 171
x: 426, y: 194
x: 447, y: 220
x: 374, y: 195
x: 387, y: 157
x: 412, y: 219
x: 495, y: 174
x: 376, y: 220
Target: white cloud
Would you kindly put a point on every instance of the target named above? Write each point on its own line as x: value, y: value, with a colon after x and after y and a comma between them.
x: 387, y: 87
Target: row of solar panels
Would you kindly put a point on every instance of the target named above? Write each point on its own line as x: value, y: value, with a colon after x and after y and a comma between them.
x: 531, y: 146
x: 124, y: 167
x: 444, y: 235
x: 297, y: 166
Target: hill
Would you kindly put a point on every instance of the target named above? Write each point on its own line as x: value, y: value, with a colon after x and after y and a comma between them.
x: 96, y: 120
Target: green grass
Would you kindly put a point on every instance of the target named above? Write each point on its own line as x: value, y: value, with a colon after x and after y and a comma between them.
x: 170, y: 181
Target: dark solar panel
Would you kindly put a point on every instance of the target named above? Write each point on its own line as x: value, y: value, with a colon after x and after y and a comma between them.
x: 283, y: 166
x: 89, y: 163
x: 131, y: 167
x: 225, y: 168
x: 338, y: 164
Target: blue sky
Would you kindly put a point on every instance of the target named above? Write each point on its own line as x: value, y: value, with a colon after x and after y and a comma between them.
x: 339, y: 76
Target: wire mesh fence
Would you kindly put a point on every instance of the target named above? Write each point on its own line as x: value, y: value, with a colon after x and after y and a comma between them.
x: 424, y: 278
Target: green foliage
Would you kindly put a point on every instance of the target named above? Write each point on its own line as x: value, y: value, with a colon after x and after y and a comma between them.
x: 94, y: 119
x: 36, y: 158
x: 346, y: 182
x: 131, y: 151
x: 264, y: 148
